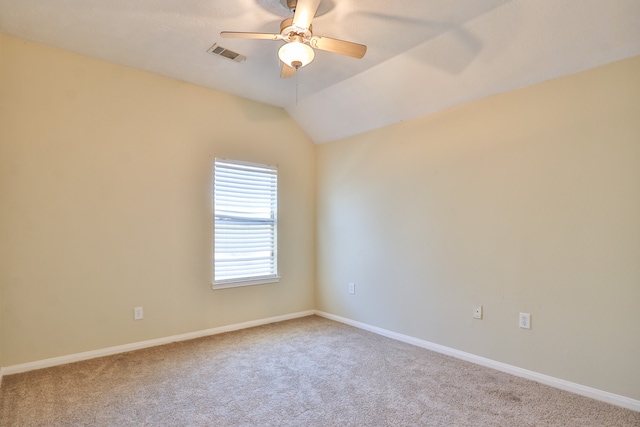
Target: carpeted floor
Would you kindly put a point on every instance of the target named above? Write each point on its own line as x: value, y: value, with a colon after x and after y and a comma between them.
x: 303, y: 372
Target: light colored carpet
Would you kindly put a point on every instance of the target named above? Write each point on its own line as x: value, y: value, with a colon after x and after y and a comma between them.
x: 304, y: 372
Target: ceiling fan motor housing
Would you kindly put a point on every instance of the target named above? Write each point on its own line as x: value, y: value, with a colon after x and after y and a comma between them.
x: 288, y: 30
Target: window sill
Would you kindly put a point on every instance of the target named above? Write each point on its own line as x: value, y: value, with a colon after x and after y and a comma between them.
x: 239, y: 283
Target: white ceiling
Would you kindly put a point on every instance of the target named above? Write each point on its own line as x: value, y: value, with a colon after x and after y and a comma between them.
x: 423, y: 55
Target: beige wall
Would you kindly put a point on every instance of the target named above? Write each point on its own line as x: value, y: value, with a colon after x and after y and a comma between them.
x: 105, y: 191
x: 2, y: 186
x: 524, y: 202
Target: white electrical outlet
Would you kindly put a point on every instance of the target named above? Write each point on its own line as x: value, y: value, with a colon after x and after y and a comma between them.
x: 138, y: 314
x: 352, y: 288
x: 477, y: 312
x: 525, y: 321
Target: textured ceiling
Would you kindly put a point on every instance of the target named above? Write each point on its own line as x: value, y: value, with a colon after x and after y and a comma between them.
x: 423, y: 55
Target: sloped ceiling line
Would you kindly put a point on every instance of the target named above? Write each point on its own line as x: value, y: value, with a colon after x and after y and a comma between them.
x: 423, y: 56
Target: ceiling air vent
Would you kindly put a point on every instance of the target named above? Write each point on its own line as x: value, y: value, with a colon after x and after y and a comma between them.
x: 226, y: 53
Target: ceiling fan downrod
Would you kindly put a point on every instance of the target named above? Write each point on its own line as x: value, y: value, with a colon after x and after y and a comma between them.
x: 290, y: 4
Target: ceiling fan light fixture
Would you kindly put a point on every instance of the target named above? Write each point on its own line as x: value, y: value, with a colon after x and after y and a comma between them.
x: 296, y: 54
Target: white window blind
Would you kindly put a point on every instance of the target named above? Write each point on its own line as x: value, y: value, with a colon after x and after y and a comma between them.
x: 245, y: 224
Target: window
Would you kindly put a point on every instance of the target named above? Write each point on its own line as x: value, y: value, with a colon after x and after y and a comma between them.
x: 245, y: 201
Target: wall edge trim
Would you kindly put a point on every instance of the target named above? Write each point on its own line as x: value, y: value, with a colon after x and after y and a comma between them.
x: 77, y: 357
x: 601, y: 395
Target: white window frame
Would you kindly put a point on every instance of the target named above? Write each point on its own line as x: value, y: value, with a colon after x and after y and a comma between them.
x: 244, y: 195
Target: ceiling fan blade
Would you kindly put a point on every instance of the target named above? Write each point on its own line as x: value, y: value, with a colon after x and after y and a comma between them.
x: 287, y: 71
x: 305, y: 11
x: 259, y: 36
x: 342, y: 47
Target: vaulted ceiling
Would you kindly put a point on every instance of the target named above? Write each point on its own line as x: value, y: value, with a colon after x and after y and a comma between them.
x: 423, y: 55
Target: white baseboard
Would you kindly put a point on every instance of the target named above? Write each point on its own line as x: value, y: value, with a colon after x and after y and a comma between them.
x: 54, y: 361
x: 582, y: 390
x: 593, y: 393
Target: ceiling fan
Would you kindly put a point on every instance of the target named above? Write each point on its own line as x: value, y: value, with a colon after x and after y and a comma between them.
x: 297, y: 32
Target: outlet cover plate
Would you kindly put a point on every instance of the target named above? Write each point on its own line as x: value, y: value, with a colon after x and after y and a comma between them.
x: 525, y: 321
x: 352, y: 288
x: 138, y: 314
x: 477, y: 312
